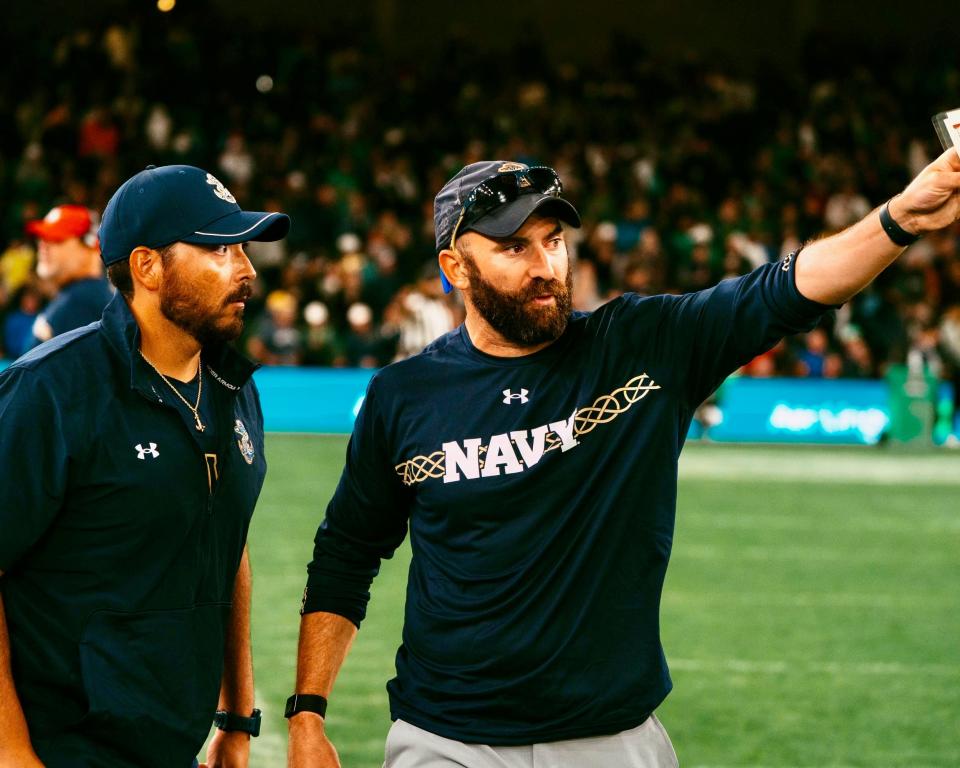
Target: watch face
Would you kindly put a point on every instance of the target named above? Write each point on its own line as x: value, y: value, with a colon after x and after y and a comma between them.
x: 254, y: 723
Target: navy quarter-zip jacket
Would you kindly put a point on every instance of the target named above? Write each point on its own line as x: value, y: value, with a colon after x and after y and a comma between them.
x: 121, y: 532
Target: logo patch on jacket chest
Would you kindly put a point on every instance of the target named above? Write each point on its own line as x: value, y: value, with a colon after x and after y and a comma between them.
x: 243, y: 442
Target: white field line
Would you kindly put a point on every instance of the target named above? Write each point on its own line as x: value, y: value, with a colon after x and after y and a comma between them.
x: 813, y: 599
x: 811, y: 522
x: 813, y: 553
x: 869, y: 668
x: 908, y: 758
x: 781, y: 466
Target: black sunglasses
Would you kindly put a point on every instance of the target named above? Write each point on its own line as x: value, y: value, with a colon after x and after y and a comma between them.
x: 504, y: 188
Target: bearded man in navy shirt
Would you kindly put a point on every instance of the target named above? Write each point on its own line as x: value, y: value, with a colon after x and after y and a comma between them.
x: 532, y: 452
x: 132, y: 454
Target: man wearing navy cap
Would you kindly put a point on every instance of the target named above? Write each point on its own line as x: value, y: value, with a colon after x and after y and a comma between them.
x: 133, y: 457
x: 532, y: 452
x: 68, y: 257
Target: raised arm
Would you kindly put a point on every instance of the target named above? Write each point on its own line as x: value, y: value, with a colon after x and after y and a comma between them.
x: 834, y: 269
x: 325, y: 639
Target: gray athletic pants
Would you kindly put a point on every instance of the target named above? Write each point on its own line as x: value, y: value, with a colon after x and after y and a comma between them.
x: 646, y: 746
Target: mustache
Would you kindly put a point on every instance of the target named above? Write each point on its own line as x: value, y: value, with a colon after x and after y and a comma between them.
x: 540, y: 287
x: 243, y: 293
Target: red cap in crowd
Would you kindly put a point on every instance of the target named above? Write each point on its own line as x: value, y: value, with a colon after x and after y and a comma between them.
x: 64, y: 222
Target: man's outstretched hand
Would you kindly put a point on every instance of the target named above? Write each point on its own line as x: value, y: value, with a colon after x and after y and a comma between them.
x: 932, y: 200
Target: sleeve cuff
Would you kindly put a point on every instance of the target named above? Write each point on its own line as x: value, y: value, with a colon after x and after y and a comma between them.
x: 795, y: 308
x: 315, y: 600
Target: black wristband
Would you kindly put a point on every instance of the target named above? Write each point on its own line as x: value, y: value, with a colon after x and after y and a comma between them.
x: 228, y: 721
x: 306, y: 702
x: 894, y: 231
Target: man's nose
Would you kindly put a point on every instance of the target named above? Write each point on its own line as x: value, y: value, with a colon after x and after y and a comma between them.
x: 246, y: 270
x: 541, y: 265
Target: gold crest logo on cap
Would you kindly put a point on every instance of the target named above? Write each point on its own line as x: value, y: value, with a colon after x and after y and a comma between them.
x: 511, y: 167
x: 219, y: 190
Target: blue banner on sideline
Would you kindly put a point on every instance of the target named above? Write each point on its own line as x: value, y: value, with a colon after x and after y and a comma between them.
x: 837, y: 411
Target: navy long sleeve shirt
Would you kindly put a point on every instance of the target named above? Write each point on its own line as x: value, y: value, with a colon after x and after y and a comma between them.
x: 540, y: 494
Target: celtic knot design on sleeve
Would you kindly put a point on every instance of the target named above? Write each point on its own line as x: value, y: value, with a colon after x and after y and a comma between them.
x: 603, y: 410
x: 421, y: 468
x: 607, y: 407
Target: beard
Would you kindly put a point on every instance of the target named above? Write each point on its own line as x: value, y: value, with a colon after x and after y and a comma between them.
x: 514, y: 317
x: 186, y: 305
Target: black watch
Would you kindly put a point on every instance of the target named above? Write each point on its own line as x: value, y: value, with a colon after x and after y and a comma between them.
x: 306, y: 702
x: 894, y: 231
x: 227, y: 721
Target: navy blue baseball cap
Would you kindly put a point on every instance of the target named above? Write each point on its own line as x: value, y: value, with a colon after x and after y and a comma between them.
x: 179, y: 204
x: 503, y: 220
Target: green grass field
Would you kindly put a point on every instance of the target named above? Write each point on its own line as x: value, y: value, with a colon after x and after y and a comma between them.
x: 811, y: 615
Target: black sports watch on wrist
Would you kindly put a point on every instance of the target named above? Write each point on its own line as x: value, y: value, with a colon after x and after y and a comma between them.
x: 228, y: 721
x: 306, y: 702
x: 894, y: 231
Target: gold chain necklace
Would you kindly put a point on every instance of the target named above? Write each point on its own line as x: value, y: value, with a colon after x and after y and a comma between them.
x: 194, y: 409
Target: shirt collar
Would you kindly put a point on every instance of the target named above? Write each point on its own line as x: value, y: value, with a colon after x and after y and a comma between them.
x: 229, y: 368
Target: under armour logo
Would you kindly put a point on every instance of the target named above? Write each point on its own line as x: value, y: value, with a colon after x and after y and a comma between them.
x: 142, y: 452
x: 509, y: 397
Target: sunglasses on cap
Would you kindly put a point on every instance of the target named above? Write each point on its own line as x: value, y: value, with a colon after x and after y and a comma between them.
x: 504, y: 188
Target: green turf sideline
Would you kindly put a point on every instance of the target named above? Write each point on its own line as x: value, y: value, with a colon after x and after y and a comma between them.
x: 751, y: 666
x: 825, y: 465
x: 810, y: 613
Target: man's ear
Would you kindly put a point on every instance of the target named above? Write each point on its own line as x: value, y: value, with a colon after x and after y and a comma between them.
x: 452, y: 265
x: 146, y: 268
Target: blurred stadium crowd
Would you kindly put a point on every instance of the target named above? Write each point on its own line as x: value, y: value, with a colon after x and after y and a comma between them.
x: 684, y: 174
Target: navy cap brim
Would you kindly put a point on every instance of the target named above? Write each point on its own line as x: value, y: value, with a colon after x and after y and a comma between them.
x: 507, y: 219
x: 240, y: 227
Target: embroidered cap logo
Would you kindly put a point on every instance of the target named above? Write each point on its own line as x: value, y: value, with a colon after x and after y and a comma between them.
x: 219, y: 190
